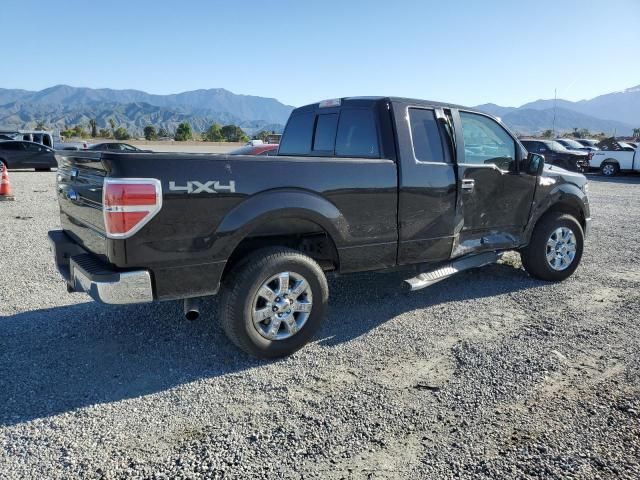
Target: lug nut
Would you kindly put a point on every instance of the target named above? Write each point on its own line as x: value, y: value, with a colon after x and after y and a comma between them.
x: 277, y: 299
x: 274, y: 309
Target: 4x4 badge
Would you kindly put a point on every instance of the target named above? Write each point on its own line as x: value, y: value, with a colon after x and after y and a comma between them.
x: 212, y: 186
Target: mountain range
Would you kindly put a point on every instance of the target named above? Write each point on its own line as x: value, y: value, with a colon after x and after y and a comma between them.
x: 614, y: 113
x: 64, y: 106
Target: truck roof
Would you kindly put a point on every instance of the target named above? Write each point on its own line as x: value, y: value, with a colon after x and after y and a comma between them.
x: 412, y: 101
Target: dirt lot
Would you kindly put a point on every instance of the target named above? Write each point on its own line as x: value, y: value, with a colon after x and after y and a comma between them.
x: 487, y: 375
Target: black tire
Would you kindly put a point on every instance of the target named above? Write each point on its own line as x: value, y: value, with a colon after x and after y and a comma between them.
x: 534, y: 256
x: 609, y: 168
x: 239, y: 291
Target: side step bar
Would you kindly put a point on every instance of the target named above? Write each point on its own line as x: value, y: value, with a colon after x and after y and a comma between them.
x: 427, y: 279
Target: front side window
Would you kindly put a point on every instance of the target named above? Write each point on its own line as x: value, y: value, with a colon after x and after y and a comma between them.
x: 425, y: 135
x: 11, y: 146
x: 487, y: 143
x: 296, y: 139
x: 357, y: 134
x: 31, y: 147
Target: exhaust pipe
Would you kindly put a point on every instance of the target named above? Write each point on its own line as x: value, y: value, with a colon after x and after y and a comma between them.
x: 191, y: 309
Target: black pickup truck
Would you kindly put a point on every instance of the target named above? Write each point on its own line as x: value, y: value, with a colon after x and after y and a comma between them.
x: 358, y: 184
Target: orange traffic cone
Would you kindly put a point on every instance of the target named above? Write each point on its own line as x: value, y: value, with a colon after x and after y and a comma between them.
x: 5, y: 185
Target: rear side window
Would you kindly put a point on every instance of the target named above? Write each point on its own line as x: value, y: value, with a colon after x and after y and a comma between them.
x: 297, y: 136
x: 324, y: 138
x: 357, y: 134
x: 425, y: 135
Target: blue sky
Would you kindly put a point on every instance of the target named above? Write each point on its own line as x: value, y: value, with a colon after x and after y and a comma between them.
x: 468, y: 52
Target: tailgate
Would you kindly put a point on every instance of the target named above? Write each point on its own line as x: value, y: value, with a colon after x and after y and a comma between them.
x: 80, y: 178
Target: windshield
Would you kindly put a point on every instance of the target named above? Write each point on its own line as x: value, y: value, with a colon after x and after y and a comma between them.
x: 572, y: 143
x: 557, y: 146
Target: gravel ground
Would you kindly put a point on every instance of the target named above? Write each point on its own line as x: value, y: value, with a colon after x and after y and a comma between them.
x: 490, y: 374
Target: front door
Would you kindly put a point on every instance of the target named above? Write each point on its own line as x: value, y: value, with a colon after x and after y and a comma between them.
x: 494, y: 196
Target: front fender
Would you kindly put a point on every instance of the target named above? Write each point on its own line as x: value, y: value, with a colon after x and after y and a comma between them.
x: 274, y: 205
x: 557, y: 197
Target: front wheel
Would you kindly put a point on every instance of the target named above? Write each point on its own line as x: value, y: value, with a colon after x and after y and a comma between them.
x: 555, y: 249
x: 273, y: 302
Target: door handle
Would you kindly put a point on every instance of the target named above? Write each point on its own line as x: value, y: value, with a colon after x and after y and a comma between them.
x: 468, y: 184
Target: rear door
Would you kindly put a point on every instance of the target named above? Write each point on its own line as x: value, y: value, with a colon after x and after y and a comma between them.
x: 494, y: 195
x: 427, y: 190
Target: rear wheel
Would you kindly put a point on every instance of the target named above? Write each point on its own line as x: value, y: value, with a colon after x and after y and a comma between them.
x: 555, y: 249
x: 273, y: 302
x: 609, y: 168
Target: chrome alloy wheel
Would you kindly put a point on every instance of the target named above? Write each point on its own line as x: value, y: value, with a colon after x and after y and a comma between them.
x: 282, y: 306
x: 561, y: 248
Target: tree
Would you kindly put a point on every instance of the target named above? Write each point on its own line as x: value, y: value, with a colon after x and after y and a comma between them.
x: 263, y: 134
x: 121, y: 134
x: 233, y: 133
x: 213, y: 134
x: 94, y: 127
x: 547, y: 134
x: 636, y: 132
x: 150, y: 132
x: 112, y: 124
x: 183, y: 132
x: 163, y: 133
x: 104, y: 133
x: 40, y: 125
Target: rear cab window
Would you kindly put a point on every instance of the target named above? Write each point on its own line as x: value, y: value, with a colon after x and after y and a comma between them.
x: 349, y: 131
x: 425, y: 136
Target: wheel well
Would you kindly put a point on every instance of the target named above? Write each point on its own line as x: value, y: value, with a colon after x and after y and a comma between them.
x: 312, y: 241
x: 570, y: 208
x: 610, y: 160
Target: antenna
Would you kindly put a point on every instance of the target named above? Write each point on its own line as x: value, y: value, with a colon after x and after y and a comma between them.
x: 555, y: 98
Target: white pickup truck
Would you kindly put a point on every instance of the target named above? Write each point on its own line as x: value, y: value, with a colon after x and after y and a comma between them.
x: 610, y: 162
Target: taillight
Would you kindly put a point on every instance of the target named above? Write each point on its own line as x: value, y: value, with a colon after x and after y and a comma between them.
x: 129, y: 204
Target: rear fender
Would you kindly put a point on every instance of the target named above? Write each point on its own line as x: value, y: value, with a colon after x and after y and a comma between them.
x: 274, y: 206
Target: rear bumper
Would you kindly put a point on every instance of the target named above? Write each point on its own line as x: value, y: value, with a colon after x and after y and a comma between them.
x: 85, y: 273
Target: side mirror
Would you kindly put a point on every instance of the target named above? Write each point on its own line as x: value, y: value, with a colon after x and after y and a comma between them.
x: 535, y: 164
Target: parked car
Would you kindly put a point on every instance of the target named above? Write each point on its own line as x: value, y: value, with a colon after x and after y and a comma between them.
x: 570, y: 144
x: 117, y: 147
x: 261, y: 149
x: 21, y: 154
x: 358, y: 184
x: 633, y: 144
x: 589, y: 142
x: 83, y: 145
x: 556, y: 154
x: 612, y: 162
